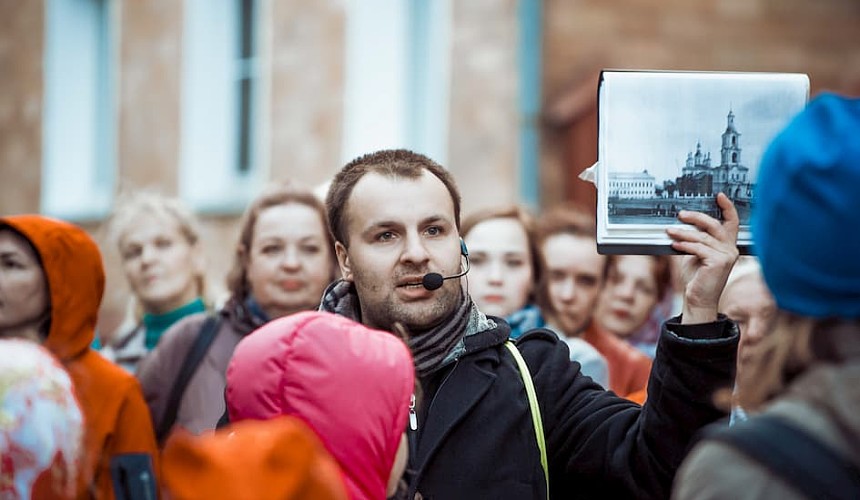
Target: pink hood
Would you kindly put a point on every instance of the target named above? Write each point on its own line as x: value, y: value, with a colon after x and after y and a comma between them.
x: 351, y: 384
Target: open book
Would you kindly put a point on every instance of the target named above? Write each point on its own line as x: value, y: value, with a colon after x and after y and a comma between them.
x: 671, y: 140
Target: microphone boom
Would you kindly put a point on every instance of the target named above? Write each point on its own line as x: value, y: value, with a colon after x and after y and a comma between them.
x: 433, y: 281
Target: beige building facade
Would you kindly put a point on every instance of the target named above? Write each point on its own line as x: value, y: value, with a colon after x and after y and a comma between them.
x: 211, y: 100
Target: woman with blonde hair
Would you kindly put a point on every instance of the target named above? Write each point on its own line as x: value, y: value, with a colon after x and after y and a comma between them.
x: 801, y: 385
x: 158, y: 240
x: 282, y: 263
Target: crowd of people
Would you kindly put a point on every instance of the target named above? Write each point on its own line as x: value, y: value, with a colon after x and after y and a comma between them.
x: 373, y: 345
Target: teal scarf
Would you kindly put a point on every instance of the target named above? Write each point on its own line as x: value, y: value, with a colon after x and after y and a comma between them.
x: 156, y: 324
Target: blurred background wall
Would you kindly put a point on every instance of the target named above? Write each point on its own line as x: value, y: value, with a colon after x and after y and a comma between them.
x: 211, y: 100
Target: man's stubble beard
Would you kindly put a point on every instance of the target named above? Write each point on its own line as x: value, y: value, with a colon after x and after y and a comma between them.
x: 416, y: 318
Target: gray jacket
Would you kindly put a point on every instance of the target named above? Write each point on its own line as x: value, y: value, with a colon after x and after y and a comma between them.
x: 203, y: 401
x: 824, y: 401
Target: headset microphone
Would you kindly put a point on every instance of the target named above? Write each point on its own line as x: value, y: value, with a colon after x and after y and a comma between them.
x: 433, y: 281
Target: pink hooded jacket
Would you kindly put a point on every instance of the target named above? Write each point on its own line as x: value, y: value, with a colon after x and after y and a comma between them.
x: 351, y: 384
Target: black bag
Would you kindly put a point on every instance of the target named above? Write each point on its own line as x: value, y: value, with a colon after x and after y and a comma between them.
x: 795, y: 456
x: 132, y: 476
x: 208, y: 332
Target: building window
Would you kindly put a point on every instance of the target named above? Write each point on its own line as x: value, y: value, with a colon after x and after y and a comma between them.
x: 78, y: 141
x: 247, y: 76
x: 397, y: 77
x: 530, y: 23
x: 219, y: 155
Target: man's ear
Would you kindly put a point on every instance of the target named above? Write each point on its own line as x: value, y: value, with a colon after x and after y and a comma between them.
x: 343, y: 261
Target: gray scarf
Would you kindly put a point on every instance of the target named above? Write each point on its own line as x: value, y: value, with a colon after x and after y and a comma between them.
x: 431, y: 349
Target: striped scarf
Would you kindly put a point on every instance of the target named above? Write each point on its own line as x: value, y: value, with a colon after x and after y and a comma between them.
x: 431, y: 349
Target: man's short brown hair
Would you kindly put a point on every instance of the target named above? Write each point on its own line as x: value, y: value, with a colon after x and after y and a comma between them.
x: 393, y: 163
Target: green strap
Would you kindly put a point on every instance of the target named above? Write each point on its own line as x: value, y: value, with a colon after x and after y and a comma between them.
x: 533, y: 404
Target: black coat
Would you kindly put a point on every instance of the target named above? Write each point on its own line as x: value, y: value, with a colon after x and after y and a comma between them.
x: 476, y: 439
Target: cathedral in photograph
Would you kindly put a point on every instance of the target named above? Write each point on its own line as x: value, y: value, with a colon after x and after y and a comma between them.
x: 700, y: 178
x: 639, y: 197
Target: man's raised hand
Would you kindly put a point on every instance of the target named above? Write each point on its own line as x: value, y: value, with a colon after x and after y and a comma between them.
x: 712, y: 251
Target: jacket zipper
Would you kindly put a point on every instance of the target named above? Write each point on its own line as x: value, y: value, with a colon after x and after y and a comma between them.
x: 413, y: 418
x: 413, y: 425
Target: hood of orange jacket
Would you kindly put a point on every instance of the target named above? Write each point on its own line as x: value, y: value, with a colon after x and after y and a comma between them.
x: 76, y: 280
x: 252, y: 460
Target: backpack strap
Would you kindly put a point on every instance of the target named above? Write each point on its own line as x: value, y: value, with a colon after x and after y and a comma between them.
x: 204, y: 339
x: 537, y: 420
x: 791, y: 453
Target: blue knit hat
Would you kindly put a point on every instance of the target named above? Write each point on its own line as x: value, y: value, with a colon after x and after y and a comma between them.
x: 806, y: 220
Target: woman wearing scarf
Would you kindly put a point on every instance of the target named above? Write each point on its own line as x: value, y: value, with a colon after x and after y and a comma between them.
x: 505, y: 274
x: 160, y: 249
x: 284, y: 259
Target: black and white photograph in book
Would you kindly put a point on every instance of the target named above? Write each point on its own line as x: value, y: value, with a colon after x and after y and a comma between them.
x: 672, y: 140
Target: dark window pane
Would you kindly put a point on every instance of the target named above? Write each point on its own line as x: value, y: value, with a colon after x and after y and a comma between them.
x: 246, y: 75
x: 244, y: 150
x: 246, y: 14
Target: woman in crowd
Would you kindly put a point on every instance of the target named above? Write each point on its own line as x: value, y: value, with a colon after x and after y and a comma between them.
x: 504, y: 267
x: 573, y: 275
x: 504, y: 275
x: 159, y: 243
x: 284, y: 259
x: 351, y: 384
x: 801, y: 383
x: 634, y: 302
x: 748, y: 302
x: 51, y: 284
x: 41, y: 429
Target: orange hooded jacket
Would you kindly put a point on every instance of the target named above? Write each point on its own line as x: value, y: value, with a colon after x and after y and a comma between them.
x: 279, y: 459
x: 116, y: 418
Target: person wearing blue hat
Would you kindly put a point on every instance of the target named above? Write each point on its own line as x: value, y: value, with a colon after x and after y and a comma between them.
x: 803, y: 385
